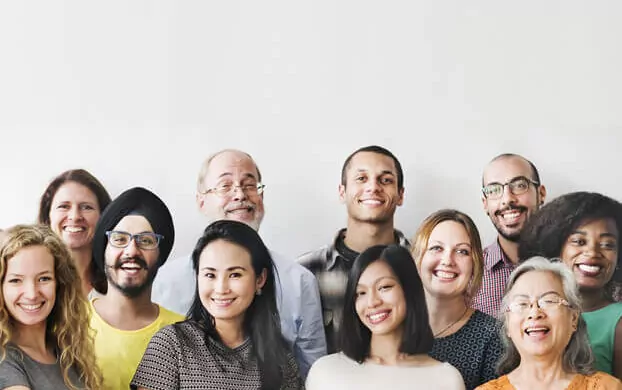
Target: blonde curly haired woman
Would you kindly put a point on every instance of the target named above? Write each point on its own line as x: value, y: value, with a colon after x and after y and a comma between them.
x: 45, y: 338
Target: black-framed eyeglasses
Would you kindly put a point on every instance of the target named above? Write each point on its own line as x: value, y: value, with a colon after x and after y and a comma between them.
x: 148, y: 241
x: 228, y: 188
x: 517, y: 186
x: 547, y: 302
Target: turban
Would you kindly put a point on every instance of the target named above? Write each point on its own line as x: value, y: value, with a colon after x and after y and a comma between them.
x: 135, y: 201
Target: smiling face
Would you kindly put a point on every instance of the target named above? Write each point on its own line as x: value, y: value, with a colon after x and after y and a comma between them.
x: 29, y: 286
x: 591, y: 252
x: 371, y: 194
x: 73, y: 214
x: 538, y: 332
x: 232, y: 168
x: 227, y: 283
x: 446, y: 266
x: 510, y: 213
x: 131, y: 270
x: 380, y: 302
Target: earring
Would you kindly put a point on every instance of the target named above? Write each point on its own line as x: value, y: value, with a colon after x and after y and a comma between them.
x: 258, y: 292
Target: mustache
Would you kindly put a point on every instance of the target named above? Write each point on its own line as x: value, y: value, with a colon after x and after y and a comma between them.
x: 511, y: 207
x: 136, y: 260
x: 240, y: 205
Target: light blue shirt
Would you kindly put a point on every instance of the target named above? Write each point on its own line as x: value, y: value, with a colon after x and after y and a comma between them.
x: 298, y: 302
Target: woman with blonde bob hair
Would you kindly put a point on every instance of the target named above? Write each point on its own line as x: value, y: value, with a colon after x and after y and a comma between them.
x: 448, y: 253
x: 544, y: 335
x: 45, y: 338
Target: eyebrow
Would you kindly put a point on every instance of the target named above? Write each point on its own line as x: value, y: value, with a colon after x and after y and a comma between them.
x: 541, y: 295
x: 584, y: 233
x: 384, y: 172
x: 39, y: 274
x: 245, y: 175
x: 441, y: 242
x: 234, y: 268
x: 377, y: 280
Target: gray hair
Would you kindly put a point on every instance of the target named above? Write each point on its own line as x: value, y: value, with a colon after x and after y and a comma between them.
x: 208, y: 160
x: 577, y: 357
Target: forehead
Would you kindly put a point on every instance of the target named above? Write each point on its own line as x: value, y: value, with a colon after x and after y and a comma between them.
x: 450, y: 231
x: 134, y: 224
x: 222, y: 254
x: 598, y: 226
x: 376, y: 270
x: 535, y: 283
x: 31, y: 259
x: 231, y: 164
x: 73, y: 191
x: 506, y: 169
x: 371, y: 161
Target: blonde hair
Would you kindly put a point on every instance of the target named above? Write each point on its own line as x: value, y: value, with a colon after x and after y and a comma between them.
x: 67, y: 326
x: 424, y: 232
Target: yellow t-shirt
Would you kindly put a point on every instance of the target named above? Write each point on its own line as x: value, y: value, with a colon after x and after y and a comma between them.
x: 118, y: 352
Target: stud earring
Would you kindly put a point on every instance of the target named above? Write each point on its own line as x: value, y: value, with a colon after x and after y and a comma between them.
x: 258, y: 292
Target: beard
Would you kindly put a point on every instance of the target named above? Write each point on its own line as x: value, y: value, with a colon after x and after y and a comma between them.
x: 133, y: 290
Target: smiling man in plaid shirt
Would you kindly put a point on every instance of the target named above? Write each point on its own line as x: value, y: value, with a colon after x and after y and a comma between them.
x: 511, y: 193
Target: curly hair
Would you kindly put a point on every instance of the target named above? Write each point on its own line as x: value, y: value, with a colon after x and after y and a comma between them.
x: 547, y: 230
x: 421, y: 238
x: 67, y: 326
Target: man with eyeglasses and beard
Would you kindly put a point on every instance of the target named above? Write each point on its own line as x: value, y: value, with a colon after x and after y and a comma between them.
x: 511, y: 193
x: 133, y: 238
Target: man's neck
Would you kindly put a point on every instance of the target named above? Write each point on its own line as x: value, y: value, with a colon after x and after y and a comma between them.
x: 360, y: 236
x: 510, y: 248
x: 126, y: 313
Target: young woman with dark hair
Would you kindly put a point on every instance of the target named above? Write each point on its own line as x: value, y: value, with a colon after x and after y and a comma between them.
x: 232, y: 337
x: 385, y: 334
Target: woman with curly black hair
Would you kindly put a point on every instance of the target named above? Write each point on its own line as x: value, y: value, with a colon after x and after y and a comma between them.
x: 583, y: 229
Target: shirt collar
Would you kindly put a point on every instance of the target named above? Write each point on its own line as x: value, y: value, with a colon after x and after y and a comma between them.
x: 494, y: 255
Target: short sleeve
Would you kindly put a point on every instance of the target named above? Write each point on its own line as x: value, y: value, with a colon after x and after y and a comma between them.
x: 291, y: 376
x: 159, y: 367
x: 12, y: 371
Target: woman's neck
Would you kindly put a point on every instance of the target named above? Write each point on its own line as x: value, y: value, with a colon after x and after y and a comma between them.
x: 231, y: 332
x: 83, y: 260
x: 31, y: 339
x: 593, y: 299
x: 385, y: 348
x: 541, y: 373
x: 445, y: 313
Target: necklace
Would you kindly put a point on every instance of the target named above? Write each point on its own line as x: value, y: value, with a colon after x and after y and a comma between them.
x: 452, y: 324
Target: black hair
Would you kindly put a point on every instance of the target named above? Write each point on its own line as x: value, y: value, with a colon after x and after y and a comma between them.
x: 379, y: 150
x: 261, y: 320
x: 355, y: 337
x: 547, y: 230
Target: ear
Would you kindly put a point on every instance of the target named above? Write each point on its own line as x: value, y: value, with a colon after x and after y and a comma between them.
x: 485, y: 204
x: 401, y: 196
x: 342, y: 193
x: 542, y: 193
x: 261, y: 279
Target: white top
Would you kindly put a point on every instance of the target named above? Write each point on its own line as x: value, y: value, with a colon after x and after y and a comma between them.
x: 337, y: 371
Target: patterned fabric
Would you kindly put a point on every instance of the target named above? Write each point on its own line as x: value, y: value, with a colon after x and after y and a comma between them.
x: 497, y: 270
x: 474, y: 349
x: 331, y: 267
x: 597, y: 381
x: 178, y: 358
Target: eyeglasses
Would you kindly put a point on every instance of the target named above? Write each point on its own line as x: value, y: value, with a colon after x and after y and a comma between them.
x: 519, y: 185
x: 148, y: 241
x: 546, y: 302
x: 228, y: 188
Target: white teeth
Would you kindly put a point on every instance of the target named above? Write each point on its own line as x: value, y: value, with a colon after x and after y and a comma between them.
x: 73, y: 229
x: 446, y: 275
x: 530, y: 330
x: 511, y: 215
x: 371, y: 202
x: 222, y: 301
x: 378, y: 316
x: 31, y: 307
x: 592, y: 269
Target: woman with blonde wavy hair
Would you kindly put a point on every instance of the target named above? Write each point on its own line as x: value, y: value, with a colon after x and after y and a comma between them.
x: 45, y: 338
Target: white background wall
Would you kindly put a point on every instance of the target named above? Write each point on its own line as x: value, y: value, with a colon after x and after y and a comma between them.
x: 140, y: 92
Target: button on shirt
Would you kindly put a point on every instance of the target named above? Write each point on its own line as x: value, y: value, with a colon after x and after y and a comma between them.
x: 297, y: 295
x: 497, y: 270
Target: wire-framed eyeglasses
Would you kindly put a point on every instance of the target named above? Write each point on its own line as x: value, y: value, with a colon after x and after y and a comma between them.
x: 148, y: 241
x: 547, y: 303
x: 228, y: 188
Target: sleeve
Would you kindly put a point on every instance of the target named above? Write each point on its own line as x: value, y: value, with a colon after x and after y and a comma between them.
x: 310, y: 344
x: 291, y: 377
x: 12, y: 372
x: 492, y: 353
x: 159, y: 367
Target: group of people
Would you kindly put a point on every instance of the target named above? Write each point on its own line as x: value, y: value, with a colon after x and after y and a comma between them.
x: 90, y: 300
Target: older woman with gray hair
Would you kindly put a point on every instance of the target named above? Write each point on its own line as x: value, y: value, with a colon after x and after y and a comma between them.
x: 545, y: 338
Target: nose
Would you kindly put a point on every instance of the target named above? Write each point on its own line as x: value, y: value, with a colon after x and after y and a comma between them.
x: 372, y: 185
x: 447, y: 257
x: 535, y: 311
x: 237, y: 192
x: 74, y: 213
x: 30, y: 290
x: 373, y: 299
x: 222, y: 285
x: 131, y: 249
x: 507, y: 196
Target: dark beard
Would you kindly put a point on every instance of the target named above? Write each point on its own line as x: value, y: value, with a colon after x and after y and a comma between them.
x: 133, y: 291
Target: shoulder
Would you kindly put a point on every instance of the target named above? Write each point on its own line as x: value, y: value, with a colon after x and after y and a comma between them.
x: 450, y: 374
x: 485, y: 322
x: 600, y: 380
x: 500, y: 383
x: 13, y: 369
x: 327, y: 367
x: 168, y: 317
x: 317, y: 258
x: 292, y: 267
x: 332, y: 362
x: 178, y: 269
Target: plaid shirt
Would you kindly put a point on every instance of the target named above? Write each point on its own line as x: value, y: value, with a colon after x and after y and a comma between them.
x: 497, y: 270
x: 331, y: 269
